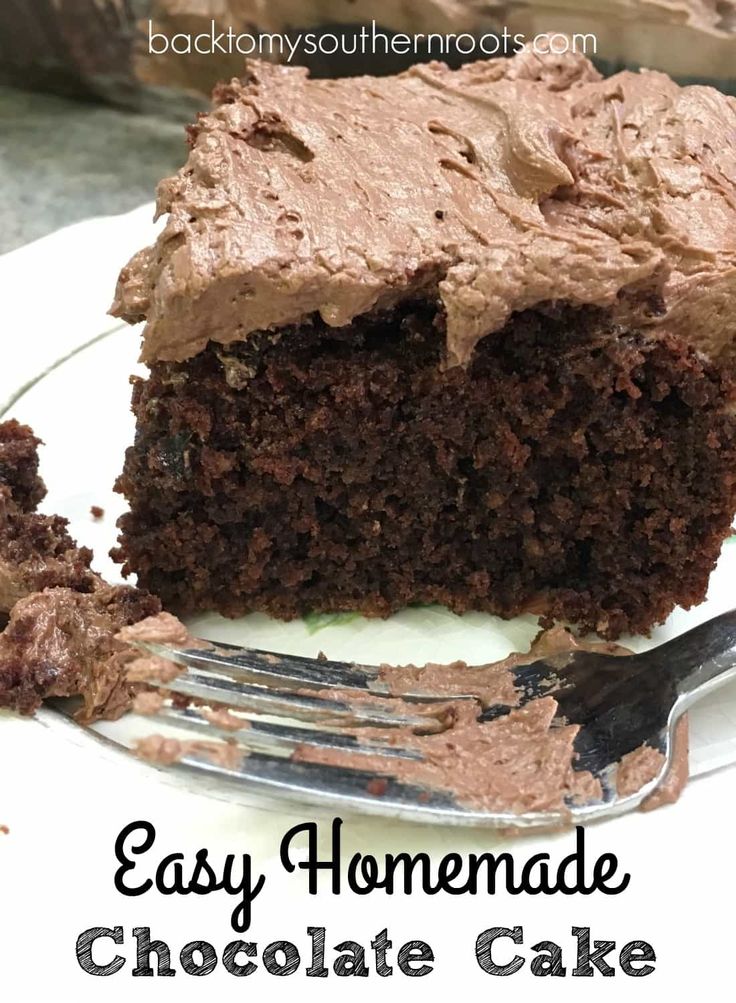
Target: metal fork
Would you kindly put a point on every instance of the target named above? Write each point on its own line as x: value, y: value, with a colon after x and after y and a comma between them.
x: 620, y: 704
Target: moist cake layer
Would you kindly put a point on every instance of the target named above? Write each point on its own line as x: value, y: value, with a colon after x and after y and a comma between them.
x: 575, y: 469
x: 494, y: 187
x: 19, y: 465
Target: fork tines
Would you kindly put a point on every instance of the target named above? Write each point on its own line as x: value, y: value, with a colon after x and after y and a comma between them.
x: 249, y: 688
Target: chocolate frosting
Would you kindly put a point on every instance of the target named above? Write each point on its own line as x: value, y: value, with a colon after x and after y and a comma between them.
x: 60, y: 643
x: 495, y: 187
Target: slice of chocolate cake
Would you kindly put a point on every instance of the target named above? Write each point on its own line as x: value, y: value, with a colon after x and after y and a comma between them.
x: 453, y: 336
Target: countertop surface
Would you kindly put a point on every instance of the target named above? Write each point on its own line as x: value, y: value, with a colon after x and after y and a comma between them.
x: 62, y: 161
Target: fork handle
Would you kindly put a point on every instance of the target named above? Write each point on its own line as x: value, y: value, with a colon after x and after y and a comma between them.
x: 701, y: 659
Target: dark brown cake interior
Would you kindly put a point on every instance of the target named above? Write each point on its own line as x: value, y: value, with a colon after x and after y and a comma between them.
x: 36, y: 551
x: 59, y: 618
x: 575, y: 470
x: 19, y: 465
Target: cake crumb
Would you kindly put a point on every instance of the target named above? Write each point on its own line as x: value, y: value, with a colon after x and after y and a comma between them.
x: 97, y: 512
x: 4, y: 830
x: 148, y: 702
x: 221, y: 717
x: 164, y: 751
x: 152, y: 669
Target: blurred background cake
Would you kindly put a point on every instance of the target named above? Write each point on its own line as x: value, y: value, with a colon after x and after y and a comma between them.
x: 100, y: 47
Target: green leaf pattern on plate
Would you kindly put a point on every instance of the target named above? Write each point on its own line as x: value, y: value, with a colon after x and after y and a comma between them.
x: 318, y: 621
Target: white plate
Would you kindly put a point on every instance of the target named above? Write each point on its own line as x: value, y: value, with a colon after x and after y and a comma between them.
x: 80, y: 408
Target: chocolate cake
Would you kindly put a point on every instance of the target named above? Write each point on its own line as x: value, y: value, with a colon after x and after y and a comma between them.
x: 453, y: 336
x: 62, y: 643
x: 62, y: 618
x: 36, y: 551
x: 19, y: 465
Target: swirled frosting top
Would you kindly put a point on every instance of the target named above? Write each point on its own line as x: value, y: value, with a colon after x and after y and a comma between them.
x: 492, y: 188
